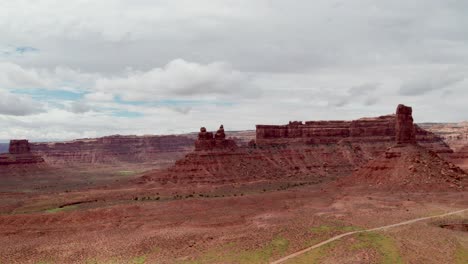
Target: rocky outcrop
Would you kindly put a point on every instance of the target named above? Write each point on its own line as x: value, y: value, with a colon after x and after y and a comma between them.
x: 208, y: 142
x: 20, y: 146
x: 19, y: 154
x: 115, y: 150
x: 407, y: 165
x: 405, y: 131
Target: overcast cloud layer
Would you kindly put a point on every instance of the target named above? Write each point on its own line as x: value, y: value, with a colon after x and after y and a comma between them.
x: 73, y: 69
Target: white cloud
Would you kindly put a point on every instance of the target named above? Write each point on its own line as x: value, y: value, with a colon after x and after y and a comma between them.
x: 18, y: 105
x: 180, y: 78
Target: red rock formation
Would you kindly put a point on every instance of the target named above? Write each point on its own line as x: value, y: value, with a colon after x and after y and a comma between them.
x: 20, y: 146
x: 207, y: 142
x: 407, y: 165
x: 115, y: 149
x: 19, y: 154
x: 316, y: 150
x: 378, y: 130
x: 405, y: 131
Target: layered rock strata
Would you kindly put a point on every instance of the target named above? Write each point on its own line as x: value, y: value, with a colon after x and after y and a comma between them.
x: 19, y: 154
x: 115, y: 149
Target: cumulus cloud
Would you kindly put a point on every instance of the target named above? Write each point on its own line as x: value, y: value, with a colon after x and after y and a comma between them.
x: 18, y: 105
x: 179, y: 78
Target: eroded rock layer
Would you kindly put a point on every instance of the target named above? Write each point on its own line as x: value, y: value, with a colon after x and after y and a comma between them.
x: 321, y: 150
x: 115, y: 149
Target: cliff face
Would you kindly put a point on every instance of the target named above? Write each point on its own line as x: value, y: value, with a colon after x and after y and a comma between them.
x: 115, y: 149
x: 316, y: 150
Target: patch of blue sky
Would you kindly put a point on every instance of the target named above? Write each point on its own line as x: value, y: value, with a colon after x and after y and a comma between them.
x: 25, y: 49
x: 13, y: 50
x: 127, y: 114
x: 45, y: 94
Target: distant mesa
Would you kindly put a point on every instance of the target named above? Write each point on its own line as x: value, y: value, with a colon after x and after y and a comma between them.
x: 115, y: 149
x: 19, y: 146
x: 19, y: 154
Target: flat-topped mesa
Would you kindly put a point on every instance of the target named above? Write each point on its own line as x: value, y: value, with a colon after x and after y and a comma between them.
x: 380, y: 132
x: 19, y: 154
x: 405, y: 131
x: 327, y: 132
x: 19, y: 146
x: 207, y: 141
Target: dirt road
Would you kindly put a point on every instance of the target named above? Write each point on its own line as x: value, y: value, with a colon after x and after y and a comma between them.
x: 298, y: 253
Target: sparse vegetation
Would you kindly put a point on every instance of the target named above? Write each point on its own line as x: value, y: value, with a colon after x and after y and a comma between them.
x: 229, y: 254
x: 384, y: 245
x: 461, y: 255
x: 62, y: 209
x: 139, y: 260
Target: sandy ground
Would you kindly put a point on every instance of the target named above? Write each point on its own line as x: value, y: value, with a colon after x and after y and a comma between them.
x: 131, y: 223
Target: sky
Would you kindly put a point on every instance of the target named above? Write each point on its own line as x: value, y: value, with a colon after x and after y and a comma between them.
x: 76, y: 69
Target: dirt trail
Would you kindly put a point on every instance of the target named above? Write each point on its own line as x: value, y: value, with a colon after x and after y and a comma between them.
x: 298, y: 253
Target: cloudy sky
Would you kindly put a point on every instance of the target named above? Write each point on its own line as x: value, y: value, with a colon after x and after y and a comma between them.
x: 74, y: 69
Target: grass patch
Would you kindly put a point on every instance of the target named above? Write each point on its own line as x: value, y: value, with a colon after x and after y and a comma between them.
x: 461, y: 255
x: 63, y: 209
x: 229, y: 254
x: 126, y: 172
x: 384, y: 245
x: 139, y: 260
x: 323, y: 229
x: 314, y: 256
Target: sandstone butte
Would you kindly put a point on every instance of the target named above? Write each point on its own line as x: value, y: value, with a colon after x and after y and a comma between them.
x: 313, y: 151
x: 407, y: 165
x: 19, y: 154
